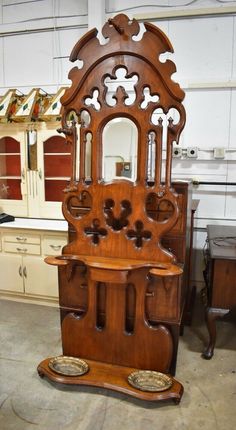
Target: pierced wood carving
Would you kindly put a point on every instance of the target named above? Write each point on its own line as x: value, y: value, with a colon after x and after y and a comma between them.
x: 95, y: 231
x: 156, y: 95
x: 139, y: 234
x: 117, y: 223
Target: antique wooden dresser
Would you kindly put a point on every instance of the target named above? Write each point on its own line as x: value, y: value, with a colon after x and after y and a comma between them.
x: 220, y: 277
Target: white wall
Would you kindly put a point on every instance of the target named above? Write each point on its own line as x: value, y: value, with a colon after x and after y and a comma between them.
x: 36, y: 38
x: 205, y: 55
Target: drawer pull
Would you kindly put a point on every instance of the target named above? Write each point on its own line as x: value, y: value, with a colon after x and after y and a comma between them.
x: 21, y: 239
x: 55, y: 247
x: 25, y: 272
x: 20, y: 271
x: 150, y: 294
x: 22, y: 249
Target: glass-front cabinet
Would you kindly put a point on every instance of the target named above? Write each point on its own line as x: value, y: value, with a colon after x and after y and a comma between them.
x: 35, y: 168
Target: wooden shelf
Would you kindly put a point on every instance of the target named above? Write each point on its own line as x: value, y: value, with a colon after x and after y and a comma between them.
x: 10, y: 177
x: 57, y: 178
x: 9, y: 153
x: 57, y: 153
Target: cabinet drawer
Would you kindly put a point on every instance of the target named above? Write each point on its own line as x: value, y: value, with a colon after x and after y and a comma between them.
x: 22, y: 248
x: 53, y: 245
x: 22, y: 238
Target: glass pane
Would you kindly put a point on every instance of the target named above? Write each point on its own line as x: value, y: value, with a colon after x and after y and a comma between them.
x: 10, y: 165
x: 10, y: 169
x: 10, y: 189
x: 57, y: 165
x: 9, y: 145
x: 56, y: 144
x: 54, y: 190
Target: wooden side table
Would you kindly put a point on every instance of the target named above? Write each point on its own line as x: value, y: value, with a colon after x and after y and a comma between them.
x: 220, y: 278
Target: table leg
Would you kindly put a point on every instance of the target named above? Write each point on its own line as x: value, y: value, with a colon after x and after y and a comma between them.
x: 211, y: 315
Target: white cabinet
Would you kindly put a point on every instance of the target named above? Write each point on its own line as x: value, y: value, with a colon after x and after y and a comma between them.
x: 24, y: 272
x: 11, y: 270
x: 38, y: 277
x: 35, y: 167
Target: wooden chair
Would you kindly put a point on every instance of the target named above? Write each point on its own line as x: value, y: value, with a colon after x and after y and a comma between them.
x: 117, y: 252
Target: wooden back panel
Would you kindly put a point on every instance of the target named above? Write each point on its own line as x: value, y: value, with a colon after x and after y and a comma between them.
x: 118, y: 224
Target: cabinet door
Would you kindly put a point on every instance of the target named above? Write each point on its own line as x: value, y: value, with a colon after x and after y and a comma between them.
x: 13, y: 189
x: 55, y: 172
x: 11, y: 273
x: 39, y: 278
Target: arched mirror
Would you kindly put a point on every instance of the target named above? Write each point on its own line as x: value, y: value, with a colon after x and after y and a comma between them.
x: 120, y: 145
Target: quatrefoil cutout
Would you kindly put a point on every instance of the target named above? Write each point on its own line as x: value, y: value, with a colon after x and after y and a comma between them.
x: 95, y: 231
x: 139, y: 234
x: 117, y: 223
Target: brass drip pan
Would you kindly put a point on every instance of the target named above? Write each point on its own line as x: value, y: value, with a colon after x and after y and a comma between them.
x: 149, y: 380
x: 68, y: 366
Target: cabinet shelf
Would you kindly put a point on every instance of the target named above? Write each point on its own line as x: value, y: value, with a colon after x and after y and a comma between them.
x: 57, y: 153
x: 57, y: 178
x: 9, y: 177
x: 9, y: 153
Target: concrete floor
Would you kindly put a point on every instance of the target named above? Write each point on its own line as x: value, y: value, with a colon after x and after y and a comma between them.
x: 30, y: 333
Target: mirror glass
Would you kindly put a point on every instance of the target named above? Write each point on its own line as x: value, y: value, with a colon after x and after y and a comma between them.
x: 88, y: 156
x: 151, y: 156
x: 85, y: 118
x: 120, y: 145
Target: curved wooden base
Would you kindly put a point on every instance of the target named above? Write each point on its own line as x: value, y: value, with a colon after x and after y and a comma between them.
x: 111, y: 377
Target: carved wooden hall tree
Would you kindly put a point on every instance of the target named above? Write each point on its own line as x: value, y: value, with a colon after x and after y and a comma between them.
x: 117, y: 252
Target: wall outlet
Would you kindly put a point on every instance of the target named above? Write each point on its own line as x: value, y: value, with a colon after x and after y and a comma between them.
x: 192, y: 152
x: 177, y: 152
x: 219, y: 152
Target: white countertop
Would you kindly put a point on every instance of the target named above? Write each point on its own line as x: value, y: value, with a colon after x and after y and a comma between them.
x: 37, y: 224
